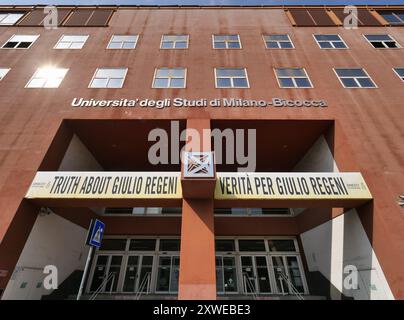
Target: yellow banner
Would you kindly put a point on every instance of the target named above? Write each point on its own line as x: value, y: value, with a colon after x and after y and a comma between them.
x: 291, y: 186
x: 106, y: 185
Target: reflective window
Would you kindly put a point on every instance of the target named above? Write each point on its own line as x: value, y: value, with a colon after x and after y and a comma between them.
x: 3, y: 72
x: 251, y: 245
x: 382, y: 41
x: 71, y: 42
x: 47, y: 78
x: 231, y: 41
x: 231, y: 78
x: 278, y: 41
x: 20, y: 42
x: 123, y: 42
x: 354, y: 78
x: 330, y: 41
x: 108, y: 78
x: 281, y: 245
x: 293, y: 78
x: 113, y: 245
x: 9, y: 18
x: 398, y: 71
x: 169, y: 245
x: 393, y: 17
x: 169, y: 78
x: 225, y: 245
x: 142, y: 245
x: 174, y: 42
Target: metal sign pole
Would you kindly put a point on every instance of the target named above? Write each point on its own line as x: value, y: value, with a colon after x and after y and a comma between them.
x: 83, y: 279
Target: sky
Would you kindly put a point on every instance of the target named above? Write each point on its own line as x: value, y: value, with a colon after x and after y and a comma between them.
x: 200, y: 2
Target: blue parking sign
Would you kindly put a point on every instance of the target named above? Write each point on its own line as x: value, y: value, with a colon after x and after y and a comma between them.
x: 95, y: 233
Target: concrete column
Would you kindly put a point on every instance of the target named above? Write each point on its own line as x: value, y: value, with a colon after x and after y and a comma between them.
x: 197, y: 259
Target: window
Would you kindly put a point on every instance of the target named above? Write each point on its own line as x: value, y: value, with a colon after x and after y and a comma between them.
x: 382, y: 41
x: 398, y: 71
x: 71, y: 42
x: 231, y: 41
x: 123, y: 42
x: 278, y: 41
x: 9, y: 18
x: 354, y: 78
x: 225, y: 245
x: 231, y: 78
x: 330, y: 41
x: 142, y: 245
x: 393, y: 17
x: 251, y: 245
x: 3, y: 72
x: 20, y: 42
x: 48, y: 77
x: 108, y: 78
x: 169, y: 78
x: 281, y: 245
x: 293, y: 78
x: 174, y: 42
x: 113, y: 245
x: 169, y: 245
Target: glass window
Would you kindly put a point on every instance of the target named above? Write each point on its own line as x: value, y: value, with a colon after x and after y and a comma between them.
x: 393, y: 17
x: 330, y: 41
x: 9, y: 18
x: 354, y: 78
x: 278, y: 41
x: 118, y: 211
x: 108, y: 78
x: 169, y: 245
x: 225, y: 245
x: 142, y: 245
x: 174, y: 42
x: 293, y: 78
x: 71, y: 42
x: 169, y: 78
x: 382, y: 41
x: 123, y: 42
x: 231, y: 41
x: 398, y: 71
x: 231, y: 78
x: 20, y: 42
x: 3, y: 72
x: 281, y: 245
x: 47, y: 78
x: 113, y: 245
x: 251, y: 245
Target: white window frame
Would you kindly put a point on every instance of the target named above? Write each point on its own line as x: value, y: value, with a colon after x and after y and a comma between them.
x: 359, y: 87
x: 395, y: 71
x: 330, y: 41
x: 293, y: 78
x: 382, y: 34
x: 11, y: 13
x: 276, y: 34
x: 226, y: 42
x: 123, y: 35
x: 181, y: 68
x: 95, y: 73
x: 71, y: 42
x: 231, y: 78
x: 175, y: 41
x: 31, y: 35
x: 34, y: 77
x: 6, y: 71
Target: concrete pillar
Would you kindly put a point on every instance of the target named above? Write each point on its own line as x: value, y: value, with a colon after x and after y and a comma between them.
x: 197, y: 258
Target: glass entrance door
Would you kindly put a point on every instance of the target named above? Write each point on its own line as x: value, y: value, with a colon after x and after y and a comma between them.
x: 255, y: 274
x: 168, y: 274
x: 226, y: 274
x: 287, y: 274
x: 107, y: 266
x: 138, y: 273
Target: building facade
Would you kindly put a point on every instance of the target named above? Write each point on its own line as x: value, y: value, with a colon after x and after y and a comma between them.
x: 299, y: 199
